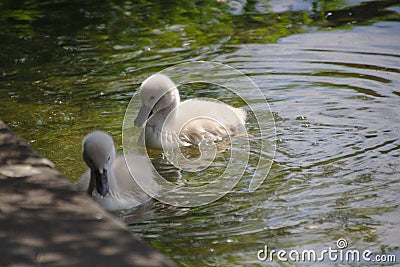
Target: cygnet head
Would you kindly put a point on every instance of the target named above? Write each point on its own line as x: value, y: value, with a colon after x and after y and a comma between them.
x: 157, y: 92
x: 99, y: 155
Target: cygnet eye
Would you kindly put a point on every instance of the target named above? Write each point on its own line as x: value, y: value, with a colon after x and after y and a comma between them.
x: 152, y: 97
x: 108, y: 158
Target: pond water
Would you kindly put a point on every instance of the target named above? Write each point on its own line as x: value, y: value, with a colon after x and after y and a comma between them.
x: 330, y: 71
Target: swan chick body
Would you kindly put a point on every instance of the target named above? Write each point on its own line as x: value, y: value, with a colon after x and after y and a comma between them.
x: 170, y: 123
x: 108, y: 179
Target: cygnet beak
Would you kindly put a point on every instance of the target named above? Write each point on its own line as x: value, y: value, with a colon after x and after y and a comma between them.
x: 101, y: 180
x: 143, y: 115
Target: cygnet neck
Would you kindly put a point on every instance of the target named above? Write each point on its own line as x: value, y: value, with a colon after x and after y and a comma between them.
x: 112, y: 180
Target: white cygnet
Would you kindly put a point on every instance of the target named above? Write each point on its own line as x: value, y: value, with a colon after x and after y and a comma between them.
x: 108, y: 179
x: 170, y: 123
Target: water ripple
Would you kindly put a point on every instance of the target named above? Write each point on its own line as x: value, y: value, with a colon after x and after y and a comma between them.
x: 335, y: 100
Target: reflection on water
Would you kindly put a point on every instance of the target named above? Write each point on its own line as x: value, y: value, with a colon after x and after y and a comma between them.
x: 333, y: 89
x: 336, y: 171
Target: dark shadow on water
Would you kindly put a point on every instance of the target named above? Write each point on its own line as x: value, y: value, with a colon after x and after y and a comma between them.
x: 45, y: 221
